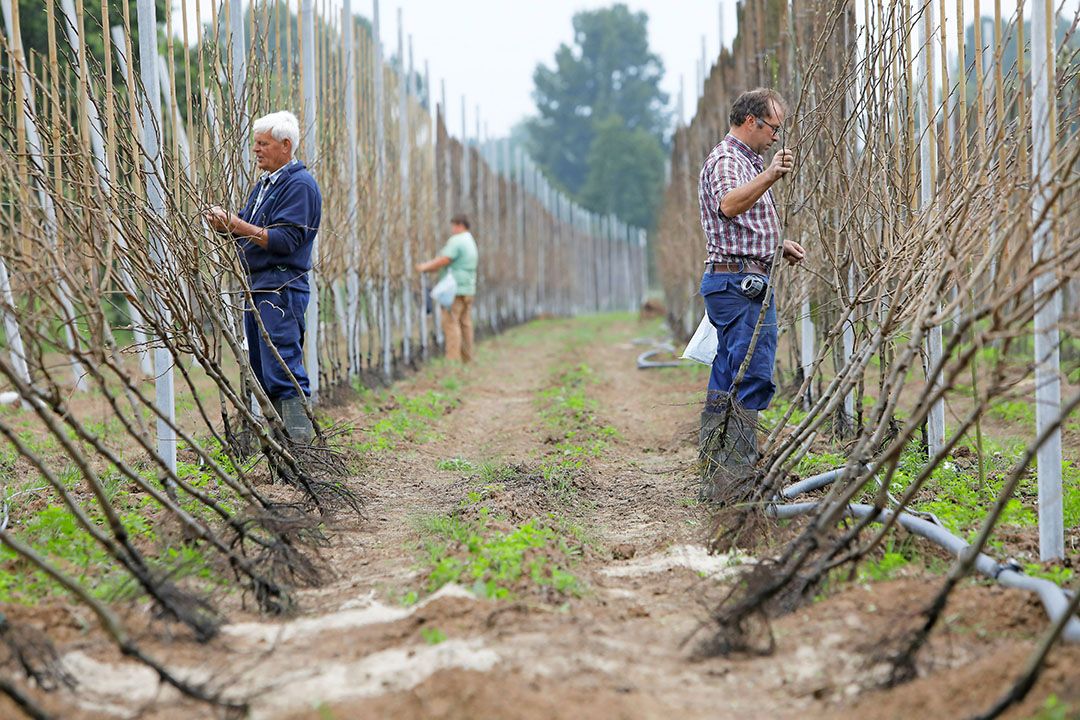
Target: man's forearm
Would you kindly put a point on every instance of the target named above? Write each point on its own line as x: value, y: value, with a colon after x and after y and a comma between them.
x: 742, y: 198
x: 439, y: 262
x: 243, y: 229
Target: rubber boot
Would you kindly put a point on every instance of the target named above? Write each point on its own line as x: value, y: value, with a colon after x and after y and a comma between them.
x: 727, y: 452
x: 297, y: 422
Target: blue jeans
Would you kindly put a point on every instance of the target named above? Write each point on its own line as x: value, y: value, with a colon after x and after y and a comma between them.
x: 282, y: 313
x: 734, y: 317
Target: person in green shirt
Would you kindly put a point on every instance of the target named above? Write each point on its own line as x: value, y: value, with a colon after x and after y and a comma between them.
x: 460, y: 257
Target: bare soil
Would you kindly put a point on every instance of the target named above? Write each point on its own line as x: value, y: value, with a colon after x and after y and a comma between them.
x: 624, y: 649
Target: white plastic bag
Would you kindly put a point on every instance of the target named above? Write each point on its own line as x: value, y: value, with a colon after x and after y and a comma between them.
x: 702, y: 347
x: 445, y: 290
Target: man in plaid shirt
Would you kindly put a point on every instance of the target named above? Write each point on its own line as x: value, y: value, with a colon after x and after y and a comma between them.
x: 742, y: 235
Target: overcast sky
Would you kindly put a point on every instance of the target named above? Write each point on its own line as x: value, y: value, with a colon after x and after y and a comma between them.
x: 487, y: 50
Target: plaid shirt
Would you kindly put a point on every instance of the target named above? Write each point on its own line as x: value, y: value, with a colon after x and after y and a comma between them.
x: 755, y: 234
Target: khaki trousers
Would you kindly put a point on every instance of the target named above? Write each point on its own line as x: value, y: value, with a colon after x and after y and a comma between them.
x: 458, y: 329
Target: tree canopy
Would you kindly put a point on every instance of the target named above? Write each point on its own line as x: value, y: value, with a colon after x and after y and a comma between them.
x: 602, y: 115
x: 626, y: 169
x: 33, y: 21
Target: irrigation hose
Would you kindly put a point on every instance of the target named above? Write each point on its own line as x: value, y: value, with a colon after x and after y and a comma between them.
x: 667, y: 347
x: 1054, y: 600
x: 816, y: 482
x: 645, y: 360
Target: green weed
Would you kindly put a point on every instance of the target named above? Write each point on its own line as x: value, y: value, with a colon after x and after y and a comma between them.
x: 816, y: 463
x: 492, y: 474
x: 1014, y: 412
x: 411, y: 419
x: 896, y: 555
x: 497, y: 559
x: 55, y: 533
x: 558, y: 479
x: 1056, y: 573
x: 884, y: 568
x: 456, y: 465
x: 8, y: 458
x: 770, y: 417
x: 571, y: 414
x: 583, y: 330
x: 988, y: 355
x: 954, y: 495
x: 892, y: 559
x: 494, y: 561
x: 1070, y: 480
x: 1055, y: 709
x: 565, y: 407
x: 432, y: 636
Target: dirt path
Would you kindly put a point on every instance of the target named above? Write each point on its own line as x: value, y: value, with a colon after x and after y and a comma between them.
x: 620, y: 649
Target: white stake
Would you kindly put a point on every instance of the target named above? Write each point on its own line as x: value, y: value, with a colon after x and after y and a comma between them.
x: 406, y: 201
x: 97, y: 146
x: 155, y: 195
x: 380, y: 182
x: 33, y: 144
x: 1048, y: 300
x: 936, y: 418
x: 352, y: 310
x: 11, y: 326
x: 310, y: 143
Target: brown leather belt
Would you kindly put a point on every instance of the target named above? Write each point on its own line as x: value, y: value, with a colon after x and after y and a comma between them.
x: 745, y: 266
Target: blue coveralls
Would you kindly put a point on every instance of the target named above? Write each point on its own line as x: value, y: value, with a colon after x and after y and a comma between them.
x: 734, y: 317
x: 291, y: 209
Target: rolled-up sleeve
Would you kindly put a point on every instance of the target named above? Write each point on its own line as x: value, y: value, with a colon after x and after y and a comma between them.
x: 728, y: 174
x: 450, y: 250
x: 294, y: 215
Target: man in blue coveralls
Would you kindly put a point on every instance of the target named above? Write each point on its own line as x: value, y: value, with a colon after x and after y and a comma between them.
x: 276, y: 232
x: 742, y: 235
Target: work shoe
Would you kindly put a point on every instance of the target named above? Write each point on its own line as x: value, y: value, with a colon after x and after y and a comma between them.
x: 727, y: 452
x: 297, y: 423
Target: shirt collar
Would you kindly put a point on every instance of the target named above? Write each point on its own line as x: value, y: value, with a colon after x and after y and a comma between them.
x: 745, y: 149
x: 271, y: 178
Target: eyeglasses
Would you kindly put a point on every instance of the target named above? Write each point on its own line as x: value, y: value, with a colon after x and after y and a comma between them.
x: 775, y: 128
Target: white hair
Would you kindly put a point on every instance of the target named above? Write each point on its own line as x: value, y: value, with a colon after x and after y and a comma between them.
x: 280, y: 125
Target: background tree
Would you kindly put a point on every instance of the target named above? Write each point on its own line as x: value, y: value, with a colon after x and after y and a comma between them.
x: 607, y: 85
x: 33, y: 21
x: 626, y: 169
x: 1062, y: 32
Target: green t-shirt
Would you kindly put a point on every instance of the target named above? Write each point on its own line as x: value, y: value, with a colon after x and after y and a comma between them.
x: 461, y: 249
